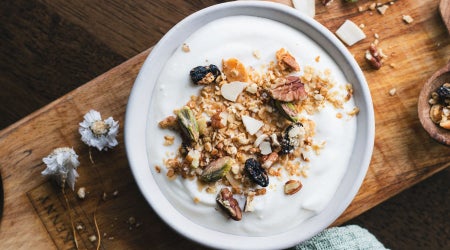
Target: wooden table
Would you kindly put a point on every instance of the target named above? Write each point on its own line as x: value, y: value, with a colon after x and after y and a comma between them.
x: 34, y: 215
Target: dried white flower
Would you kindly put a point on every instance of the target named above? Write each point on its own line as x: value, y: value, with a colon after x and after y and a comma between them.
x: 98, y: 133
x: 62, y: 164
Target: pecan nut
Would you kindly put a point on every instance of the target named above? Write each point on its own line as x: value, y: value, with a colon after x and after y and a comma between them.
x: 229, y: 204
x: 292, y: 90
x: 373, y: 57
x: 286, y: 61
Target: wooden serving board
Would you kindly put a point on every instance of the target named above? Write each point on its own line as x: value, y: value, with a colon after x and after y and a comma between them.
x: 35, y: 216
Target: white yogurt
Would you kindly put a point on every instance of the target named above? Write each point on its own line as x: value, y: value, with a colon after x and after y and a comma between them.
x: 275, y: 212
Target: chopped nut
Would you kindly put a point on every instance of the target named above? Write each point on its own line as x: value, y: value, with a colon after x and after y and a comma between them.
x: 252, y: 88
x: 382, y: 9
x: 292, y: 186
x: 185, y: 48
x: 229, y: 204
x: 169, y: 140
x: 286, y: 61
x: 436, y: 113
x: 445, y: 124
x: 168, y: 122
x: 292, y: 90
x: 81, y: 192
x: 407, y: 19
x: 353, y: 112
x: 269, y: 160
x: 219, y: 120
x: 392, y: 91
x: 373, y: 57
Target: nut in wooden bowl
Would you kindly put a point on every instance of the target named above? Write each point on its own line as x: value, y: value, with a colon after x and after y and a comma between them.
x: 429, y: 108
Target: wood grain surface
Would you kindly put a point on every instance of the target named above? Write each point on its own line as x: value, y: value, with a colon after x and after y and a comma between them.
x: 34, y: 214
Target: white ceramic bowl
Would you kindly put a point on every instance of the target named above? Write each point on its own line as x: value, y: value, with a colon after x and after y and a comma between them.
x: 139, y: 106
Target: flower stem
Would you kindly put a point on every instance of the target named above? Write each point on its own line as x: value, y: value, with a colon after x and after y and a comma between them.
x: 71, y: 218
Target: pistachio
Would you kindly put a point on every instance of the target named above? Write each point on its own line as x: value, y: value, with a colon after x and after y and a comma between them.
x: 292, y: 90
x: 229, y: 204
x: 217, y: 169
x: 188, y: 124
x: 292, y: 186
x: 288, y: 110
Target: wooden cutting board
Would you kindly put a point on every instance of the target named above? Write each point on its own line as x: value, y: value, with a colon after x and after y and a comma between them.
x: 34, y: 214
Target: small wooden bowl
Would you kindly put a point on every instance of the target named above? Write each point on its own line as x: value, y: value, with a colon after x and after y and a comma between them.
x: 437, y: 79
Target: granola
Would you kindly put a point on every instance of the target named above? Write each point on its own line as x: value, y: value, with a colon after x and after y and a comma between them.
x: 248, y: 125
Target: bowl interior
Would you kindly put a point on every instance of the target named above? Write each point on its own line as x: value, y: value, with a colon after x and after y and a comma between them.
x: 138, y: 107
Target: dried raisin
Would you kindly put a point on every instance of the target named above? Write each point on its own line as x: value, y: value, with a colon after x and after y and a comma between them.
x: 256, y: 173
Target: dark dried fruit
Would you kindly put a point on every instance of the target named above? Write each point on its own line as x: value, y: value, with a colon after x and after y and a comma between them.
x: 256, y: 172
x: 229, y: 204
x: 292, y: 90
x: 292, y: 137
x: 443, y: 92
x: 204, y: 74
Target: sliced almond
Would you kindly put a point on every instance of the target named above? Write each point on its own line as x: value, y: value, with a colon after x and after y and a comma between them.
x: 292, y: 186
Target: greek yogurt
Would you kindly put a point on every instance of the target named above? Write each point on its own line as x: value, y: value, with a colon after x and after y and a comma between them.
x: 274, y: 212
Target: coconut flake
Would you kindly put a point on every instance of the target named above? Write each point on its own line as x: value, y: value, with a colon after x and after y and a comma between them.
x: 251, y: 125
x: 232, y: 90
x: 307, y: 7
x: 265, y: 148
x: 350, y: 33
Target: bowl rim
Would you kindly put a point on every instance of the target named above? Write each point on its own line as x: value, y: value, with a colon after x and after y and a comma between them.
x: 135, y: 125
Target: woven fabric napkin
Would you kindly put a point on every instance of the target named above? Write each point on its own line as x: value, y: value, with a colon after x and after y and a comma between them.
x: 338, y: 238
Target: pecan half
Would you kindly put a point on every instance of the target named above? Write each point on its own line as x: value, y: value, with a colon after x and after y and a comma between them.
x: 373, y: 57
x: 229, y: 204
x: 286, y: 61
x: 269, y: 160
x: 292, y: 90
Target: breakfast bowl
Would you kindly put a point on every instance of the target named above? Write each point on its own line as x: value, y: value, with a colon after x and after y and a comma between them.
x: 336, y: 158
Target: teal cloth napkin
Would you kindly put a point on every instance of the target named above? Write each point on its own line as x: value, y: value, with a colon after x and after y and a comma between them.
x: 338, y: 238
